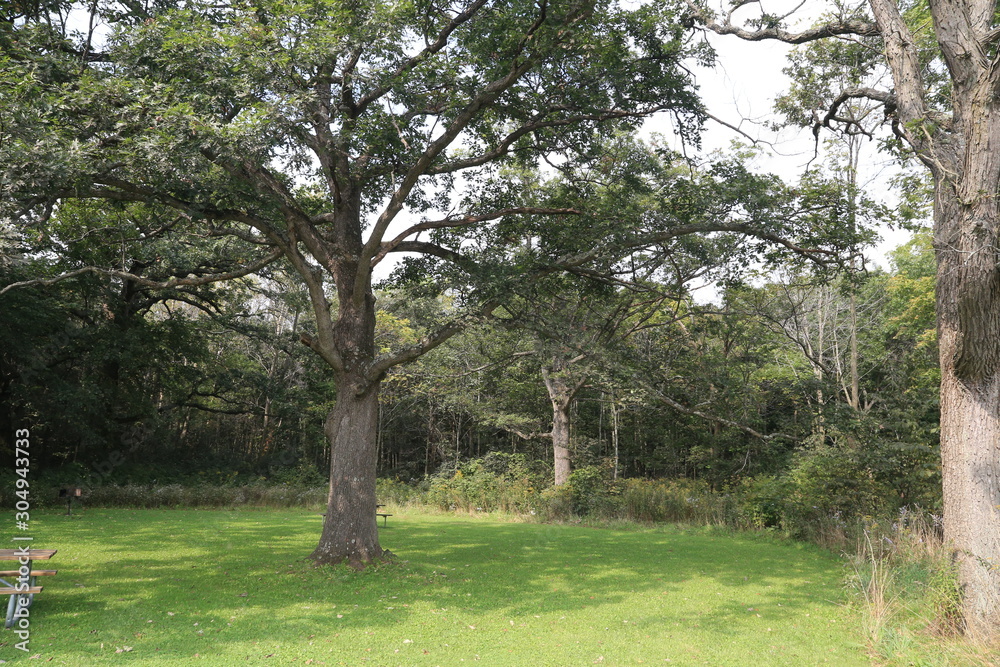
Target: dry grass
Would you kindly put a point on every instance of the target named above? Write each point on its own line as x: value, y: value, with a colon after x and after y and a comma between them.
x: 874, y: 579
x: 906, y: 585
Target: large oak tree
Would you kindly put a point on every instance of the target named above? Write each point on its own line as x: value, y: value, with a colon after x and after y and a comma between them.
x: 329, y: 134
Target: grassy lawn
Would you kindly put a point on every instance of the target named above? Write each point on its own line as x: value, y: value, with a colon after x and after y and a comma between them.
x: 178, y: 587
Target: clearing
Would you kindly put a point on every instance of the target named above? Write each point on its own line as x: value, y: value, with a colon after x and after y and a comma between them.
x: 216, y: 587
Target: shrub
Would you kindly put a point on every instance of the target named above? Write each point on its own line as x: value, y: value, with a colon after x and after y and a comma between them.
x: 203, y: 495
x: 556, y: 504
x: 396, y: 492
x: 827, y: 490
x: 588, y: 490
x: 497, y: 482
x: 761, y: 502
x: 681, y: 500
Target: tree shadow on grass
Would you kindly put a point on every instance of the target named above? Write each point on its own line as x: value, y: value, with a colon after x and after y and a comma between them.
x: 241, y: 575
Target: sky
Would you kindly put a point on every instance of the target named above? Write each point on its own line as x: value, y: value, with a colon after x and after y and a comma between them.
x: 741, y: 90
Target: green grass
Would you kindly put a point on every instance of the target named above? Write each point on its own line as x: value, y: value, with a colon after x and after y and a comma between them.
x: 215, y: 587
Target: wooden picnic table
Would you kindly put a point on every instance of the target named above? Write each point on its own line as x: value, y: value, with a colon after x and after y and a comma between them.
x: 385, y: 517
x: 20, y: 597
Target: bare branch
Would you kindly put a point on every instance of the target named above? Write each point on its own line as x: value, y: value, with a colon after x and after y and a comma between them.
x: 904, y: 62
x: 736, y: 129
x: 719, y: 420
x: 435, y: 250
x: 146, y: 282
x: 887, y: 99
x: 325, y: 346
x: 527, y: 436
x: 829, y: 29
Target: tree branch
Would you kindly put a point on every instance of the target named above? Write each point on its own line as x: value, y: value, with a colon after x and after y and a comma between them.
x: 391, y: 246
x: 829, y: 29
x: 503, y: 148
x: 719, y: 420
x: 146, y: 282
x: 412, y: 352
x: 489, y: 94
x: 435, y: 250
x: 813, y: 254
x: 887, y: 99
x: 904, y: 63
x: 428, y: 51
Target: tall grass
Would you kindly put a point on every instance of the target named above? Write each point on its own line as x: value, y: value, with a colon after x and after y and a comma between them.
x: 905, y: 580
x: 873, y: 579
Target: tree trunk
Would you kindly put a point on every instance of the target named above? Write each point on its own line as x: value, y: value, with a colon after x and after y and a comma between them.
x: 970, y: 454
x: 614, y: 431
x: 562, y: 391
x: 962, y: 151
x: 963, y: 156
x: 350, y: 532
x: 560, y: 439
x: 968, y: 330
x: 347, y: 343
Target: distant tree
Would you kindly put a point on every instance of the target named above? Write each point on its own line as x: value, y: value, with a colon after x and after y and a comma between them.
x: 119, y: 347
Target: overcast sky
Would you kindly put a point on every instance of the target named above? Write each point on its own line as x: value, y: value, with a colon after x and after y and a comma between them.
x: 741, y: 90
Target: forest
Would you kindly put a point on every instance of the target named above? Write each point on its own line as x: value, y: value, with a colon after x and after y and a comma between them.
x: 782, y: 381
x: 428, y: 249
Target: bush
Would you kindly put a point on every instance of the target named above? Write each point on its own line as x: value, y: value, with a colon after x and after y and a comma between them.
x: 556, y: 504
x: 681, y: 500
x: 203, y: 495
x: 761, y: 502
x: 589, y: 491
x: 396, y: 492
x: 497, y: 482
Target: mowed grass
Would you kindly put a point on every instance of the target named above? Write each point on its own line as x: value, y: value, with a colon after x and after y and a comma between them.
x: 208, y: 587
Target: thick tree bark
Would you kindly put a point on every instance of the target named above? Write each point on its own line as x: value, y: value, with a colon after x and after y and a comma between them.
x: 968, y: 330
x: 350, y: 532
x: 966, y: 168
x: 962, y: 151
x: 970, y: 433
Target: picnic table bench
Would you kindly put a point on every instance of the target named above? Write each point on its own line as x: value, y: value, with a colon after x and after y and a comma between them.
x: 22, y: 596
x: 385, y: 516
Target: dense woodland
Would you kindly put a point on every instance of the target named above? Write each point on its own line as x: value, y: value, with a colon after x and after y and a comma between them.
x: 309, y: 241
x: 789, y: 376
